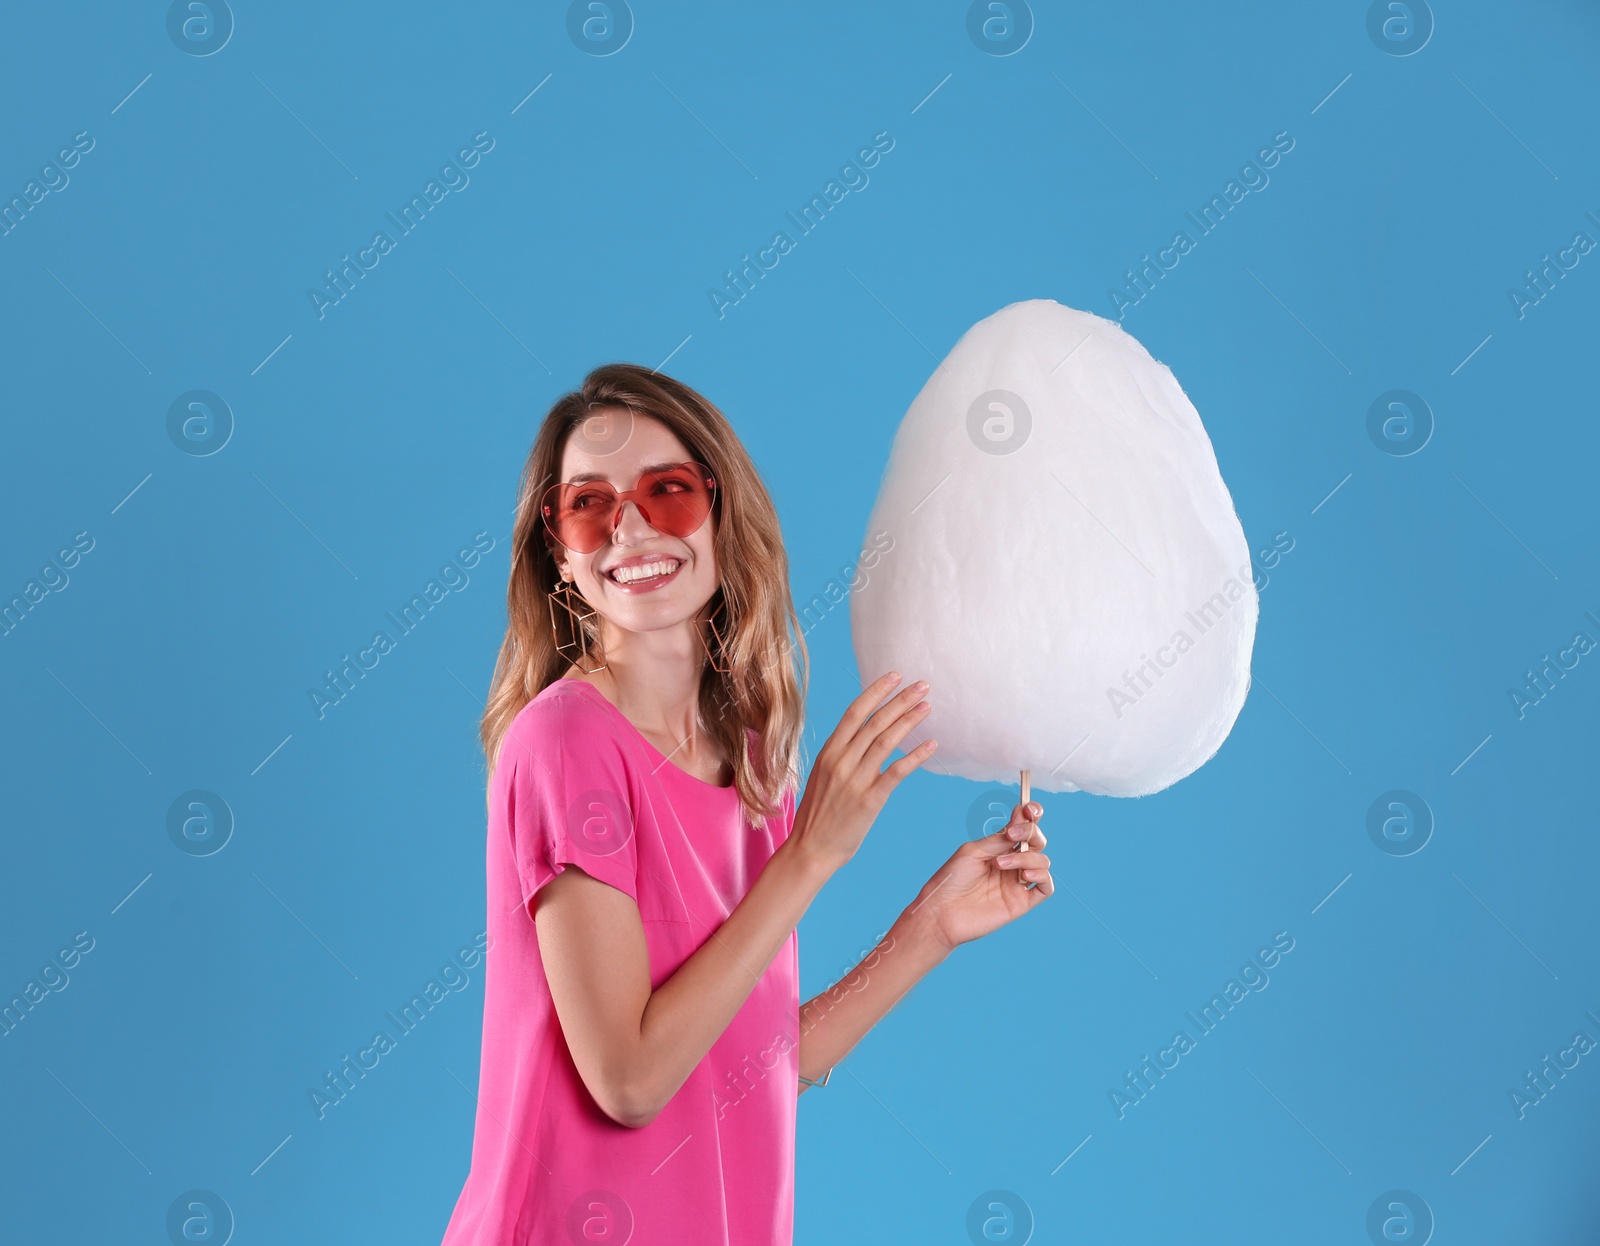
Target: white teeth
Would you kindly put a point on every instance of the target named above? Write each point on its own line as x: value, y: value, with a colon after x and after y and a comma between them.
x: 644, y: 571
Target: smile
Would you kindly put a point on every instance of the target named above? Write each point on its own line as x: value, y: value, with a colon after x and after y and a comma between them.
x: 645, y: 576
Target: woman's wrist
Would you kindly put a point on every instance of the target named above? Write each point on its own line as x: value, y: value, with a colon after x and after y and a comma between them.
x: 810, y: 864
x: 807, y: 848
x: 917, y: 931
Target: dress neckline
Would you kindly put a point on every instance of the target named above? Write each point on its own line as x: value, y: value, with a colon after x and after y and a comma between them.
x: 642, y: 738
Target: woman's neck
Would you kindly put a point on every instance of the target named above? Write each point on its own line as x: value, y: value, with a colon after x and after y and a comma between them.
x: 654, y: 679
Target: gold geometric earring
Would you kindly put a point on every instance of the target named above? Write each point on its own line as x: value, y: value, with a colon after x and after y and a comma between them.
x: 577, y: 612
x: 716, y: 654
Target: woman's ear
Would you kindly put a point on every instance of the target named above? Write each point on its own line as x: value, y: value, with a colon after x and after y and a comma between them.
x: 558, y: 555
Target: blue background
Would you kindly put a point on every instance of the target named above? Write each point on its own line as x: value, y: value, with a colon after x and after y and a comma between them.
x: 372, y: 443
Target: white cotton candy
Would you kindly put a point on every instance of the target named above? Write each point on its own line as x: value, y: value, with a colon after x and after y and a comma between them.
x: 1062, y: 563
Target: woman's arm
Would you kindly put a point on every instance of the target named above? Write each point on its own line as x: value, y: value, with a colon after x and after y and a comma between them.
x: 832, y: 1023
x: 635, y: 1047
x: 981, y: 887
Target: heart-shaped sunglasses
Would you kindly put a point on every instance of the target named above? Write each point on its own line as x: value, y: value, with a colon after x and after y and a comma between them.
x: 674, y: 500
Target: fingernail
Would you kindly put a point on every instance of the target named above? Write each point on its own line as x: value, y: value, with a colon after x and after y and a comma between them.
x: 1036, y: 809
x: 1007, y: 859
x: 920, y: 686
x: 1016, y: 832
x: 894, y: 677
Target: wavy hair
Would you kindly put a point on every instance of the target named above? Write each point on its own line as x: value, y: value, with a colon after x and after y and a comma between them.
x: 764, y: 689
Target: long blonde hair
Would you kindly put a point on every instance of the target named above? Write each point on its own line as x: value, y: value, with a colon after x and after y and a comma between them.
x: 765, y: 687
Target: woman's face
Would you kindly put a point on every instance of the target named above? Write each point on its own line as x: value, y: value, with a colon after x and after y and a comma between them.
x: 645, y: 605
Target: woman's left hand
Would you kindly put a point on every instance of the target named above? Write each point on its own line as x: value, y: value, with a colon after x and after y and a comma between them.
x: 985, y: 884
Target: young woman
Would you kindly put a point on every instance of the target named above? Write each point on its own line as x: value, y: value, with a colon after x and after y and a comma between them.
x: 648, y: 859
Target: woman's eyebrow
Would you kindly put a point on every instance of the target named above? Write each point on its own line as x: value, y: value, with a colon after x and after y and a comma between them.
x: 581, y: 477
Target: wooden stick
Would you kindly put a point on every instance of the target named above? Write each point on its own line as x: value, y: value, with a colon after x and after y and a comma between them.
x: 1023, y: 846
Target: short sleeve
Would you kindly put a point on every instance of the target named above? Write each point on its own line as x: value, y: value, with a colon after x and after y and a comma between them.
x: 571, y: 797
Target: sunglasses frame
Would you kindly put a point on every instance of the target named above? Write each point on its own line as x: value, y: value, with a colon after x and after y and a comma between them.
x: 549, y: 502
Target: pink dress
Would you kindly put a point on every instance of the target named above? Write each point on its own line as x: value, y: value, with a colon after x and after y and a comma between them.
x: 577, y: 784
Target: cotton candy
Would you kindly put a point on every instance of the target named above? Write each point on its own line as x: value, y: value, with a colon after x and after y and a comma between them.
x: 1062, y: 563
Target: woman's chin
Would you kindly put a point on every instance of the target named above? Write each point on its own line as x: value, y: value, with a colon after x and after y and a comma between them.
x: 656, y: 612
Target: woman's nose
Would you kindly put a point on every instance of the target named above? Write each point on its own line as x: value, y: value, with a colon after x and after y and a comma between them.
x: 631, y: 523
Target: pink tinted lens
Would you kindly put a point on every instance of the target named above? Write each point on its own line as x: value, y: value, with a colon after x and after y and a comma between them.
x: 674, y: 501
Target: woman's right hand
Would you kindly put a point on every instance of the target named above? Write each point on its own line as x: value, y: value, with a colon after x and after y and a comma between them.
x: 847, y: 787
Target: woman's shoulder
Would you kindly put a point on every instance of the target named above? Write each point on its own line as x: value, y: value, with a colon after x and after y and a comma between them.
x: 567, y: 714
